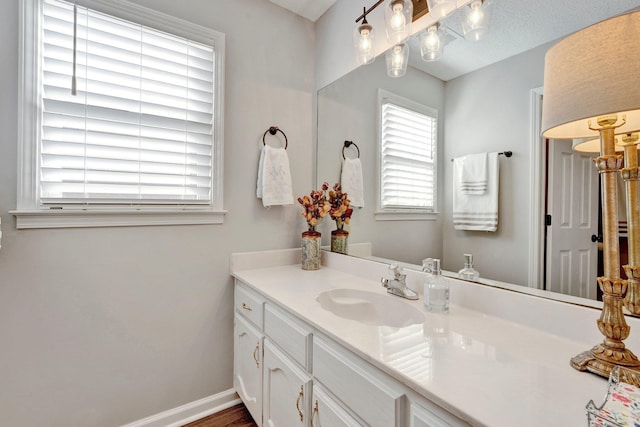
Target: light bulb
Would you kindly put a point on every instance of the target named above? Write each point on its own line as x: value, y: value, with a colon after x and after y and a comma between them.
x: 365, y: 42
x: 397, y: 17
x: 441, y: 8
x: 397, y: 57
x: 432, y: 43
x: 476, y: 22
x: 397, y: 20
x: 363, y: 38
x: 432, y: 38
x: 476, y: 16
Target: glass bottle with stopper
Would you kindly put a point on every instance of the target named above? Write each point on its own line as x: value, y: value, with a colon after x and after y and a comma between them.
x: 436, y: 289
x: 468, y: 272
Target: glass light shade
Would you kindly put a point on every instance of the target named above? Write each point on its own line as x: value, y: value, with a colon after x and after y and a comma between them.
x: 432, y: 43
x: 475, y: 23
x: 397, y: 16
x: 590, y: 74
x: 441, y: 8
x: 397, y: 58
x: 363, y: 37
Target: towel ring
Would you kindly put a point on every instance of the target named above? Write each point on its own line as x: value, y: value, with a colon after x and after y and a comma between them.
x: 348, y: 144
x: 273, y: 130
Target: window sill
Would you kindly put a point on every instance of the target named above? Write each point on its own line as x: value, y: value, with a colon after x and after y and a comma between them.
x: 405, y: 216
x: 114, y: 218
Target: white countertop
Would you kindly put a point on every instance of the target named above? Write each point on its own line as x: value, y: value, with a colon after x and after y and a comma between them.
x: 486, y: 370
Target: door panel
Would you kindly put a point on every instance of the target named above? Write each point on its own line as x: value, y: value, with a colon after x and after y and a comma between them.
x: 247, y: 378
x: 286, y: 390
x: 573, y: 206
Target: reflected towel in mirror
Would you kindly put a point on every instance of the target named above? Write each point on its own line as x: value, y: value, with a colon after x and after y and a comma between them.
x: 473, y: 174
x: 476, y: 211
x: 351, y: 181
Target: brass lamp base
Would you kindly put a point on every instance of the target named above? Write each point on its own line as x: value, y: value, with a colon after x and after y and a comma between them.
x: 589, y: 362
x: 601, y: 359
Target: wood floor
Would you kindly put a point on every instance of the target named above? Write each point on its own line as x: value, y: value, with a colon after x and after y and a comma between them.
x: 236, y: 416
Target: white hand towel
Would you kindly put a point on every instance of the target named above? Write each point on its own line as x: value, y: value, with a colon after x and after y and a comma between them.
x: 474, y: 174
x: 476, y: 212
x: 274, y: 177
x: 351, y: 181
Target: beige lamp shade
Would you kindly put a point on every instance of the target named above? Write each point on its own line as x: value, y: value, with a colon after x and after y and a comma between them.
x: 591, y: 73
x: 590, y: 145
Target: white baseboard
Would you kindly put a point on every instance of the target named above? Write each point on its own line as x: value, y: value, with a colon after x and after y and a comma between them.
x: 190, y: 412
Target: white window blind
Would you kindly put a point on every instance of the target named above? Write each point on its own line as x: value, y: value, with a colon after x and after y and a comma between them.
x: 408, y: 142
x: 140, y: 130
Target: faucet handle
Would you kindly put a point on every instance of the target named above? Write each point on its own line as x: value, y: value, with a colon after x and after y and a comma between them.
x: 427, y: 265
x: 396, y: 271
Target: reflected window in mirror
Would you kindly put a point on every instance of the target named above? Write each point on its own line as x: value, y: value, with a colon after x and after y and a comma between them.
x: 407, y: 156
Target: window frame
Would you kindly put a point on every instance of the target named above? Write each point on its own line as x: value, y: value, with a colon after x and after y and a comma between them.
x: 29, y: 213
x: 408, y: 213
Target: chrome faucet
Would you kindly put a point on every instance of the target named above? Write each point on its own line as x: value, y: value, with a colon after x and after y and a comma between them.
x: 397, y: 285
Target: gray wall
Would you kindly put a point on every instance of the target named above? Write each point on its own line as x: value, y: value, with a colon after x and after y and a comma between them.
x: 100, y: 327
x: 489, y: 110
x: 348, y: 110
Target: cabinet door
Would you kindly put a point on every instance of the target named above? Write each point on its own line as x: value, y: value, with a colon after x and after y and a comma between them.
x: 286, y: 401
x: 327, y: 413
x: 247, y: 366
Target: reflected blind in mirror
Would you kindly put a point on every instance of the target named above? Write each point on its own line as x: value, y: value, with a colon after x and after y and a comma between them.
x: 140, y: 129
x: 408, y: 141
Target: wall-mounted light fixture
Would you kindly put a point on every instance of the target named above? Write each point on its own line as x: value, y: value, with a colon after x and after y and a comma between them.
x: 397, y: 58
x: 441, y: 8
x: 432, y: 43
x: 476, y: 20
x: 397, y: 16
x: 363, y: 37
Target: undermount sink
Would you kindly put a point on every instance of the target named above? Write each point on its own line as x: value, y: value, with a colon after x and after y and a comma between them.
x: 369, y: 307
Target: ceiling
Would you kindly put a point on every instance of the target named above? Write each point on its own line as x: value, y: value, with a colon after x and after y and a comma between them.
x: 310, y: 9
x: 516, y: 26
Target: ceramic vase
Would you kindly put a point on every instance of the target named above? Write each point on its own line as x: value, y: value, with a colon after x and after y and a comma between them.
x: 311, y: 250
x: 339, y: 240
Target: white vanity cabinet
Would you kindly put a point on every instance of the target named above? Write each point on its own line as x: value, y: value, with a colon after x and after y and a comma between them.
x: 290, y: 375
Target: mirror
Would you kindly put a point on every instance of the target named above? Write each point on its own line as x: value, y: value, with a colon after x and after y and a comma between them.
x: 484, y: 93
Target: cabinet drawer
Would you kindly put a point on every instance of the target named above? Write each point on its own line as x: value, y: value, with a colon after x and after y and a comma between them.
x: 367, y: 393
x: 424, y: 413
x: 326, y: 412
x: 289, y: 334
x: 249, y: 304
x: 420, y: 417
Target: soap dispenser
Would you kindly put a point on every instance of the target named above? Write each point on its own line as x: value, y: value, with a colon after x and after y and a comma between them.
x: 436, y: 289
x: 468, y: 272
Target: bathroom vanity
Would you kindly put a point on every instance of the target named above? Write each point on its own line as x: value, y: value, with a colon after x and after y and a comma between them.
x: 331, y: 348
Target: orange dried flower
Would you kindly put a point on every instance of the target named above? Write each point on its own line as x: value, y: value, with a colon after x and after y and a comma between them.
x: 315, y: 206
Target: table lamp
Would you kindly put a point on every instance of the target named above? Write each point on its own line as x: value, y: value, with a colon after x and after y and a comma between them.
x: 592, y: 88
